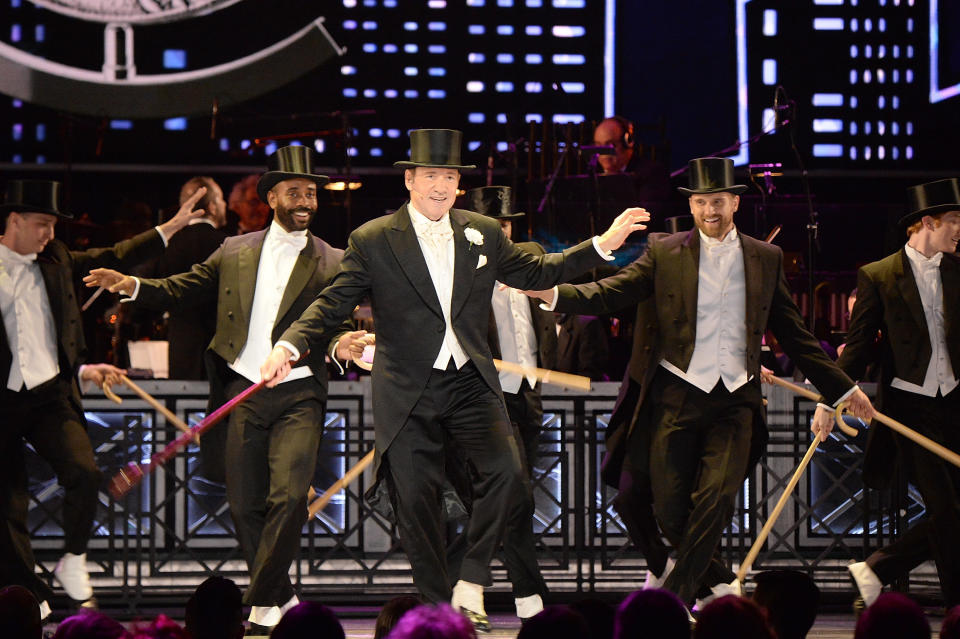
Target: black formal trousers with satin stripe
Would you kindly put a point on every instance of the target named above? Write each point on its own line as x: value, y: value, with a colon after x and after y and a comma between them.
x: 47, y: 418
x: 273, y: 440
x: 459, y: 405
x: 938, y: 536
x: 525, y: 410
x: 700, y: 449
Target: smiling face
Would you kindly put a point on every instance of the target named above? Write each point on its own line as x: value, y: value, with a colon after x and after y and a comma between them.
x: 27, y: 233
x: 432, y: 190
x: 294, y: 202
x: 713, y: 212
x: 943, y: 231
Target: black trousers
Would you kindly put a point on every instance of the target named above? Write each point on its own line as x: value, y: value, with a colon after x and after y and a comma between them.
x: 48, y: 419
x: 458, y: 405
x: 273, y: 440
x: 938, y: 481
x: 699, y: 453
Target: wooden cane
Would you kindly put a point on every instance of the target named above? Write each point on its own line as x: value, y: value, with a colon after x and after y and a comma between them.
x: 320, y: 502
x: 130, y: 476
x: 849, y: 431
x: 767, y: 527
x: 108, y: 392
x: 160, y: 408
x: 921, y: 440
x: 544, y: 375
x: 935, y: 448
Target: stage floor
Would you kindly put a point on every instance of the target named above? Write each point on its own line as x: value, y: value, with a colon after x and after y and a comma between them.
x: 827, y: 626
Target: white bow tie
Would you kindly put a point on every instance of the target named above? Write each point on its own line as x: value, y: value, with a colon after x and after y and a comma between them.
x: 437, y: 231
x: 288, y: 240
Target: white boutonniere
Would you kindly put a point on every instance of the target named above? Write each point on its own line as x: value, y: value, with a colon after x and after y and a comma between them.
x: 473, y: 236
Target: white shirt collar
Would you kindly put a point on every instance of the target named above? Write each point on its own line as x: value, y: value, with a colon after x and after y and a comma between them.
x: 202, y: 220
x: 278, y: 231
x: 731, y: 238
x: 17, y: 258
x: 419, y: 219
x: 922, y: 260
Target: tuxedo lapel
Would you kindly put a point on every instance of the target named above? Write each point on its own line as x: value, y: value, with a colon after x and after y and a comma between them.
x: 754, y: 280
x: 402, y: 240
x: 303, y: 270
x: 950, y: 278
x: 53, y: 280
x: 690, y: 274
x: 907, y: 286
x: 465, y: 260
x: 248, y: 262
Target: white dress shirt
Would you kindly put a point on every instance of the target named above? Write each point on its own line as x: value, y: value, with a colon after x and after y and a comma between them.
x: 436, y: 242
x: 277, y: 258
x: 940, y: 376
x: 518, y: 341
x: 28, y: 320
x: 720, y: 351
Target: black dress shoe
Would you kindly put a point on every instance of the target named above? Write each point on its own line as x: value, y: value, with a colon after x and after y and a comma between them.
x: 479, y: 620
x: 256, y: 630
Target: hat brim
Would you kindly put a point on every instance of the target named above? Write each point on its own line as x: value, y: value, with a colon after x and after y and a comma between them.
x: 413, y: 165
x: 910, y: 218
x: 271, y: 178
x: 736, y: 189
x: 27, y: 208
x: 511, y: 216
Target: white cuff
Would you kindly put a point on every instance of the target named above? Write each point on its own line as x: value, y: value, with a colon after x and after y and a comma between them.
x: 333, y: 356
x: 136, y: 292
x: 850, y: 392
x: 295, y: 354
x: 549, y: 306
x: 84, y: 384
x: 608, y: 256
x: 162, y: 236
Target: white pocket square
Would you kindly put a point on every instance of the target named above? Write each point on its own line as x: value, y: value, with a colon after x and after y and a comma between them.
x: 482, y: 261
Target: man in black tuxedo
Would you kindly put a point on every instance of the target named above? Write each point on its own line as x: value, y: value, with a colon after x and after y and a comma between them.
x: 42, y: 350
x: 430, y: 270
x: 189, y: 332
x: 910, y: 298
x: 696, y: 427
x: 262, y: 281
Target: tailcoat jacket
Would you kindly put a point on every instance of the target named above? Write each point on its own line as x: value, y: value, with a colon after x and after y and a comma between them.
x: 384, y: 260
x: 888, y: 326
x: 61, y: 270
x: 664, y: 282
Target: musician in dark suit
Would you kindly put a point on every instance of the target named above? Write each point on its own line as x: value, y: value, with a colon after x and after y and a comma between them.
x: 189, y: 332
x: 910, y: 297
x: 430, y: 270
x: 42, y: 349
x: 697, y: 425
x: 262, y: 281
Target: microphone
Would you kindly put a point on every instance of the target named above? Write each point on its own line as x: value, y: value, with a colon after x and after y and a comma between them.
x: 781, y: 111
x: 599, y: 149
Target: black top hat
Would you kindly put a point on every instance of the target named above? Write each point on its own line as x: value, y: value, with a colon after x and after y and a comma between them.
x: 439, y: 148
x: 711, y: 175
x: 287, y: 163
x: 931, y: 198
x: 33, y: 196
x: 492, y: 201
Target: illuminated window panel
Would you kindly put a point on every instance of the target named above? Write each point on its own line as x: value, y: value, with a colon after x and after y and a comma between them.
x: 867, y: 55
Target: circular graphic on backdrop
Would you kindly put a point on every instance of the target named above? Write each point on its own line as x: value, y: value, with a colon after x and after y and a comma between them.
x: 133, y: 11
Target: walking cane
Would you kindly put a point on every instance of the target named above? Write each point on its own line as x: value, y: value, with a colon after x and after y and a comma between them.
x: 127, y: 478
x: 150, y: 399
x: 320, y: 502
